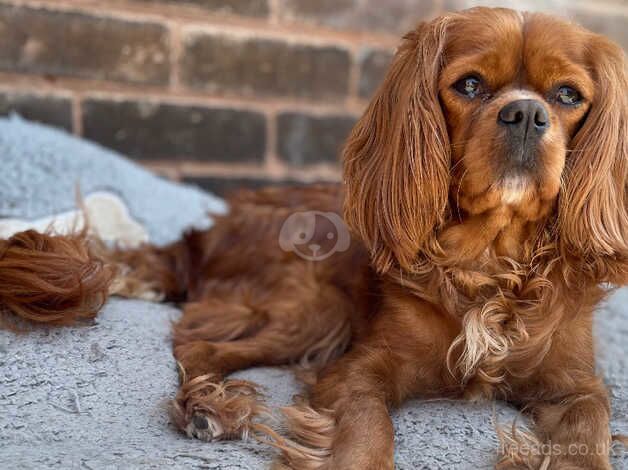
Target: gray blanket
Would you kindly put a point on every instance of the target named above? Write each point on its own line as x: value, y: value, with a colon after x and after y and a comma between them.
x: 95, y: 397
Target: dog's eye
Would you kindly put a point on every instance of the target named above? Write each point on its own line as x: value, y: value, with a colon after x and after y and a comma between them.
x: 470, y: 87
x: 567, y: 95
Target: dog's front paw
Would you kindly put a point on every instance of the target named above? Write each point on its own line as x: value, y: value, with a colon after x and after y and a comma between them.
x: 206, y: 428
x: 209, y: 410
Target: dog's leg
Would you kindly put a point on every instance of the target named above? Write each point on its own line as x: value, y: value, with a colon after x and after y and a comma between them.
x: 215, y: 338
x: 570, y: 409
x: 347, y: 424
x: 149, y: 272
x: 578, y: 426
x: 571, y: 432
x: 572, y: 428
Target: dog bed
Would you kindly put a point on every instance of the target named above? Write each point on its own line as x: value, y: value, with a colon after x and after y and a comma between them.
x: 96, y: 396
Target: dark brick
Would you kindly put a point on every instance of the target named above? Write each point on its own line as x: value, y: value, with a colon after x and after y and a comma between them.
x: 226, y: 186
x: 304, y: 140
x: 252, y: 66
x: 147, y: 130
x: 52, y: 110
x: 72, y: 44
x: 395, y: 16
x: 256, y: 8
x: 373, y: 67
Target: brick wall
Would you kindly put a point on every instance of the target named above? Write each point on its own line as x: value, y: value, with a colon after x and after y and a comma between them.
x: 220, y: 92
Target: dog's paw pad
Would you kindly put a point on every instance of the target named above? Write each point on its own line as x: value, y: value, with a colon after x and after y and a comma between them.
x: 200, y: 422
x: 205, y: 428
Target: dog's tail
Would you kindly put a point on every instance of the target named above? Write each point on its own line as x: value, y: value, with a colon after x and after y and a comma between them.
x: 59, y: 279
x: 52, y: 279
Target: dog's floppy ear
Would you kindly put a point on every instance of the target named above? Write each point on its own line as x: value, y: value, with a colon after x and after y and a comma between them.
x: 593, y: 218
x: 396, y: 161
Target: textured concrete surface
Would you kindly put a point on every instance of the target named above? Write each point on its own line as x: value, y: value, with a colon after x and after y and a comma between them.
x: 94, y: 396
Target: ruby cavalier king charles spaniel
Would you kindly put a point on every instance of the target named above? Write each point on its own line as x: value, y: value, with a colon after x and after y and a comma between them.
x: 485, y: 203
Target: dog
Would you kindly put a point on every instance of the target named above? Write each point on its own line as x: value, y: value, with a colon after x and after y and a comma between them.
x: 485, y: 197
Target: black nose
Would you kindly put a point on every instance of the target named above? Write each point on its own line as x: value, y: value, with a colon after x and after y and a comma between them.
x: 525, y: 122
x: 525, y: 116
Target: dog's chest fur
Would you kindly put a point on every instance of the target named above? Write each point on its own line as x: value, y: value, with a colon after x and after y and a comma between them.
x: 508, y: 314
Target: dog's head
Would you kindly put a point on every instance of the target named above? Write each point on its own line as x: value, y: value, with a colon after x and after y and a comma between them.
x: 490, y: 109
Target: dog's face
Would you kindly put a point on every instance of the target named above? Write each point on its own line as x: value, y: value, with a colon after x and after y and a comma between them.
x: 493, y: 110
x: 513, y: 101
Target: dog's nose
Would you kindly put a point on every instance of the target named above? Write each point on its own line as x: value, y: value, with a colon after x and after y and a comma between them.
x: 525, y: 122
x: 523, y: 116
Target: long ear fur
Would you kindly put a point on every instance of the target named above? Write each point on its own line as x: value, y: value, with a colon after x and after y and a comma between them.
x: 593, y: 217
x: 396, y: 161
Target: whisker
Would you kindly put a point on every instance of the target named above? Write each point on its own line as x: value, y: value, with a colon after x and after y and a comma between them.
x: 458, y: 194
